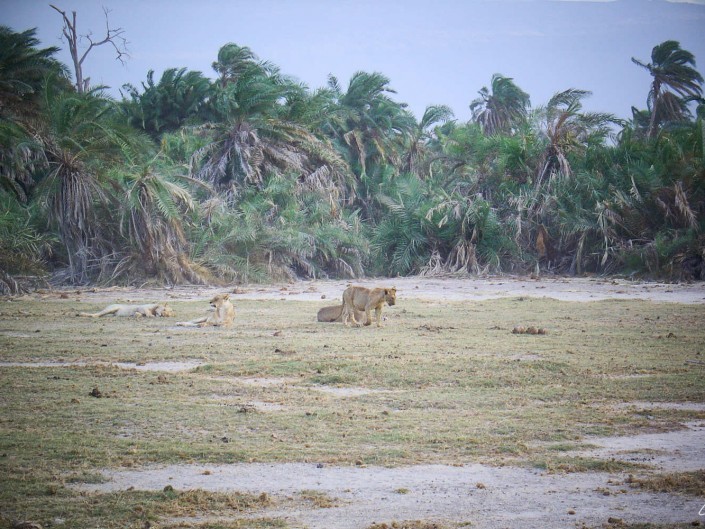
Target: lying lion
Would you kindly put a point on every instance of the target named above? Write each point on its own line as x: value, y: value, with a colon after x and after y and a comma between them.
x: 222, y: 316
x: 151, y: 310
x: 335, y: 314
x: 366, y: 299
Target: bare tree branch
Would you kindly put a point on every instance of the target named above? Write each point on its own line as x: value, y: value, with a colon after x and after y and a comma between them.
x: 114, y: 37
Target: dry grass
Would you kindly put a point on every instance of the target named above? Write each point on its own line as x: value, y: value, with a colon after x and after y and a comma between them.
x: 691, y: 483
x: 441, y: 383
x: 411, y: 524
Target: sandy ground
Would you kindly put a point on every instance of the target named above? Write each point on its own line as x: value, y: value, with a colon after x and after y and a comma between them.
x: 488, y: 497
x: 428, y: 288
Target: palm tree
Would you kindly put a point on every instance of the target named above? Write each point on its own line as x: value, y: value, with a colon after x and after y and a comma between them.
x: 249, y: 141
x: 235, y: 61
x: 80, y: 135
x: 23, y: 70
x: 164, y: 107
x: 153, y: 206
x: 566, y: 129
x: 672, y: 68
x: 278, y: 231
x: 421, y: 135
x: 367, y: 122
x: 23, y: 245
x: 402, y: 241
x: 502, y: 108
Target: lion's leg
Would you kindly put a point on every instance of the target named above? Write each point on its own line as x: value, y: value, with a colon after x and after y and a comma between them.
x: 368, y: 316
x: 194, y: 323
x: 344, y: 313
x: 347, y: 315
x: 354, y: 318
x: 104, y: 312
x: 378, y: 316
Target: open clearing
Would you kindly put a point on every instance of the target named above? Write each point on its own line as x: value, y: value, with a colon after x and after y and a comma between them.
x: 443, y: 418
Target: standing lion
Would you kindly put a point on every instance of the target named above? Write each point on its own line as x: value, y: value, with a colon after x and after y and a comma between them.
x: 366, y: 299
x: 223, y: 314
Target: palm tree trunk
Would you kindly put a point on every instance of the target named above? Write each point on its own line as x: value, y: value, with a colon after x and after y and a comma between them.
x: 654, y: 107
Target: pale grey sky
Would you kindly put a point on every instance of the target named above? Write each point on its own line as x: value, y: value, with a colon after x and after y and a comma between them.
x: 439, y: 52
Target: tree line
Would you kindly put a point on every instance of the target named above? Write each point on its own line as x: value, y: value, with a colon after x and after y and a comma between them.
x: 253, y: 176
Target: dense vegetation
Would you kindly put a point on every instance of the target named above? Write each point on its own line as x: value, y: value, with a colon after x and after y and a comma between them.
x: 252, y: 176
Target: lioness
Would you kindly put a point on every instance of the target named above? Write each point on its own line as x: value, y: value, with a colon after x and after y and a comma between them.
x: 222, y: 316
x: 361, y: 298
x: 148, y: 311
x: 335, y: 314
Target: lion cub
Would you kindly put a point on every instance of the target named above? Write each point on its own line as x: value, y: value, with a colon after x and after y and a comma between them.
x: 223, y: 315
x: 151, y: 310
x: 366, y: 299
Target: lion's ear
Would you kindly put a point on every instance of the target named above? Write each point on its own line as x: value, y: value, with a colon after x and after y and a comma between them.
x: 226, y: 296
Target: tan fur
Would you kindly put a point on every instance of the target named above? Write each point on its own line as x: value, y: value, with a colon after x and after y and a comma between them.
x: 150, y: 310
x: 335, y: 314
x: 366, y: 299
x: 222, y: 316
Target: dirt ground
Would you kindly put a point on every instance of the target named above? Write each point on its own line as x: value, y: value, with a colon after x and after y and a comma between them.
x: 482, y: 496
x: 489, y: 497
x: 435, y: 288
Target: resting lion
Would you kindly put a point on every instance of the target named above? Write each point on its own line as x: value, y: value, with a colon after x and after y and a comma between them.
x: 335, y: 314
x: 222, y: 316
x: 361, y: 298
x: 148, y: 311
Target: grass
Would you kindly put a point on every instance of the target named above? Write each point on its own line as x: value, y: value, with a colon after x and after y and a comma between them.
x: 691, y: 483
x: 448, y: 383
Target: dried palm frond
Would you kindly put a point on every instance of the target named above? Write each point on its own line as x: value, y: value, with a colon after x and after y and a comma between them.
x: 683, y: 206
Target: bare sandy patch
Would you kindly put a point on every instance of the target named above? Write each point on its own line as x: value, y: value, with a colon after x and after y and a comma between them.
x: 525, y: 357
x: 630, y: 376
x: 487, y: 497
x: 168, y: 367
x: 347, y: 391
x: 13, y: 334
x: 677, y: 451
x: 245, y: 406
x: 682, y: 406
x: 451, y: 288
x: 264, y: 382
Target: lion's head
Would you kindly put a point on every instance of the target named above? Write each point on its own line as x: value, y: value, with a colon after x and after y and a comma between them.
x: 165, y: 311
x: 219, y: 300
x: 390, y: 295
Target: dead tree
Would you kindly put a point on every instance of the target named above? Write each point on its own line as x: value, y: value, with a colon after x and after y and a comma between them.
x: 114, y: 37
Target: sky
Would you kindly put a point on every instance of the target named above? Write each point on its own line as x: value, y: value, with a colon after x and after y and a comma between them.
x: 433, y: 51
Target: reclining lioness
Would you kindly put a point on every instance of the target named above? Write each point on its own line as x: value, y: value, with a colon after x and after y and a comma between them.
x: 366, y: 299
x: 223, y: 315
x: 335, y: 314
x: 150, y: 310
